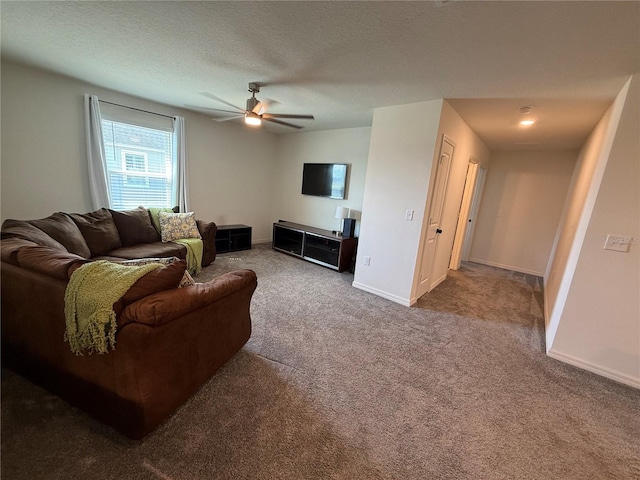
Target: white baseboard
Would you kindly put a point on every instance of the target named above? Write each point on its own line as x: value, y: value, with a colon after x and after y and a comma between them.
x: 605, y: 372
x: 260, y: 240
x: 383, y: 294
x: 506, y: 267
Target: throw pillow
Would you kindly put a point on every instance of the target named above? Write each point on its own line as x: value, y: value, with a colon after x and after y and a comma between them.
x: 153, y: 213
x: 99, y: 231
x: 174, y: 226
x: 134, y: 226
x: 187, y: 280
x: 145, y: 261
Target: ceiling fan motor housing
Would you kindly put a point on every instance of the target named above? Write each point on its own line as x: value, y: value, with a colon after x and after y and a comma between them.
x: 251, y: 103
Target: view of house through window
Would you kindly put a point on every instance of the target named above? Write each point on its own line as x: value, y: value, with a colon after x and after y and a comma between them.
x: 139, y: 165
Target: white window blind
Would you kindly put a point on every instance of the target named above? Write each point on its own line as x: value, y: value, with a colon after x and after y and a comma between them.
x: 140, y: 165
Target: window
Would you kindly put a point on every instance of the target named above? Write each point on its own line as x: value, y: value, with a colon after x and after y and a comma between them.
x: 140, y: 165
x: 137, y: 164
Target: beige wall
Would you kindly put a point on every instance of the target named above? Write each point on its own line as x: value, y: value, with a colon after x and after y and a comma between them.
x: 583, y: 190
x: 43, y: 144
x: 520, y: 209
x: 350, y: 145
x: 230, y: 168
x: 397, y: 179
x: 598, y: 326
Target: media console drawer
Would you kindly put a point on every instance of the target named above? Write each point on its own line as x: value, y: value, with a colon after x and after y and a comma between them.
x: 314, y: 245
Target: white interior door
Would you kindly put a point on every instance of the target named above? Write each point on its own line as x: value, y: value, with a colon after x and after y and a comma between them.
x: 473, y: 213
x: 428, y: 277
x: 463, y: 216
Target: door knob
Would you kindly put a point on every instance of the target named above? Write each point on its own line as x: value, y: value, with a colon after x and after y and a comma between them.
x: 438, y: 231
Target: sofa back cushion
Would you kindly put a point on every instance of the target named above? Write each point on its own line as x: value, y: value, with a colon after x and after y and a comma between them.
x: 26, y: 231
x: 62, y: 229
x: 50, y: 261
x: 134, y: 226
x: 98, y: 230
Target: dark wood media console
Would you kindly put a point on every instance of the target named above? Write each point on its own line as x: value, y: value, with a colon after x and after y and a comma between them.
x: 314, y: 245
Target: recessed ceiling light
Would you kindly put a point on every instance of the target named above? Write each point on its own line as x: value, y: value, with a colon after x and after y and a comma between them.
x: 526, y: 121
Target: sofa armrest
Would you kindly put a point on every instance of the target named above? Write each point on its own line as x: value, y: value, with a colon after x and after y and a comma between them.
x: 163, y: 307
x: 10, y: 247
x: 208, y: 233
x: 50, y: 261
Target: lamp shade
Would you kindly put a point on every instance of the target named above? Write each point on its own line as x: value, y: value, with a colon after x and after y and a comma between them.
x: 342, y: 212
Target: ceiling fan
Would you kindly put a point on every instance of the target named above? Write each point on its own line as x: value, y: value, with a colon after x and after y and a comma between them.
x: 255, y: 112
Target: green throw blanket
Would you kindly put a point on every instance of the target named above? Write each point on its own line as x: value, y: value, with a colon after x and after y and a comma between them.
x: 195, y: 248
x: 88, y: 303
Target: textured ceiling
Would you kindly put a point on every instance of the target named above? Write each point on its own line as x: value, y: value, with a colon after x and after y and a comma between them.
x: 340, y: 60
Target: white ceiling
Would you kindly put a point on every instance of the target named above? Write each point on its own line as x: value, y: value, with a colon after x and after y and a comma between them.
x: 340, y: 60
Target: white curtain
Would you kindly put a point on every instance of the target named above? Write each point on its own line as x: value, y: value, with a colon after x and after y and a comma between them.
x: 95, y: 153
x: 180, y: 159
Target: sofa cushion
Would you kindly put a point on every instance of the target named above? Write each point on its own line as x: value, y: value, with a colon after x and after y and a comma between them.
x: 99, y: 231
x: 61, y: 228
x: 148, y: 250
x: 185, y: 281
x: 158, y: 280
x: 26, y: 231
x: 174, y: 226
x: 50, y: 261
x: 134, y: 226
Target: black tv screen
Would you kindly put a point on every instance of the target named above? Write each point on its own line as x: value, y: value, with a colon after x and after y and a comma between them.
x: 324, y: 179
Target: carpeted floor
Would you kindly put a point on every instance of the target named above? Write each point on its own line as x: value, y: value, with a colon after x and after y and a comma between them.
x: 338, y: 383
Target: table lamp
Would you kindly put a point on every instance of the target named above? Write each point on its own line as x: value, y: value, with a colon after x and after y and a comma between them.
x: 341, y: 213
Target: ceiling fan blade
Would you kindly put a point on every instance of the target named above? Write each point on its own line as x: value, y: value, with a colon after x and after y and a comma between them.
x: 287, y: 115
x: 218, y: 99
x: 280, y: 122
x: 226, y: 119
x: 260, y: 108
x: 264, y: 105
x: 197, y: 107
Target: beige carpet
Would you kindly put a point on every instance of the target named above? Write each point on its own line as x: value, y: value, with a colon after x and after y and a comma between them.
x: 337, y: 383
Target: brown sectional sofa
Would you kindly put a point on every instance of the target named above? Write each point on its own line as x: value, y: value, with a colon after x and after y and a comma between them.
x: 169, y: 340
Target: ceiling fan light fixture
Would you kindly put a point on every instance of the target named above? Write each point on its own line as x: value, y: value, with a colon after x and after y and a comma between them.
x: 527, y: 123
x: 251, y: 118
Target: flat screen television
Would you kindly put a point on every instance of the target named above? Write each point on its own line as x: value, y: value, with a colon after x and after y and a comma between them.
x: 324, y: 179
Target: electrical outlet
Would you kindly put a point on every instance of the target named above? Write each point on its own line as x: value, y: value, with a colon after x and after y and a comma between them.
x: 617, y: 243
x: 367, y: 261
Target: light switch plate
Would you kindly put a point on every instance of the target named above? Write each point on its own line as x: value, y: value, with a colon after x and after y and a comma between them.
x: 408, y: 215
